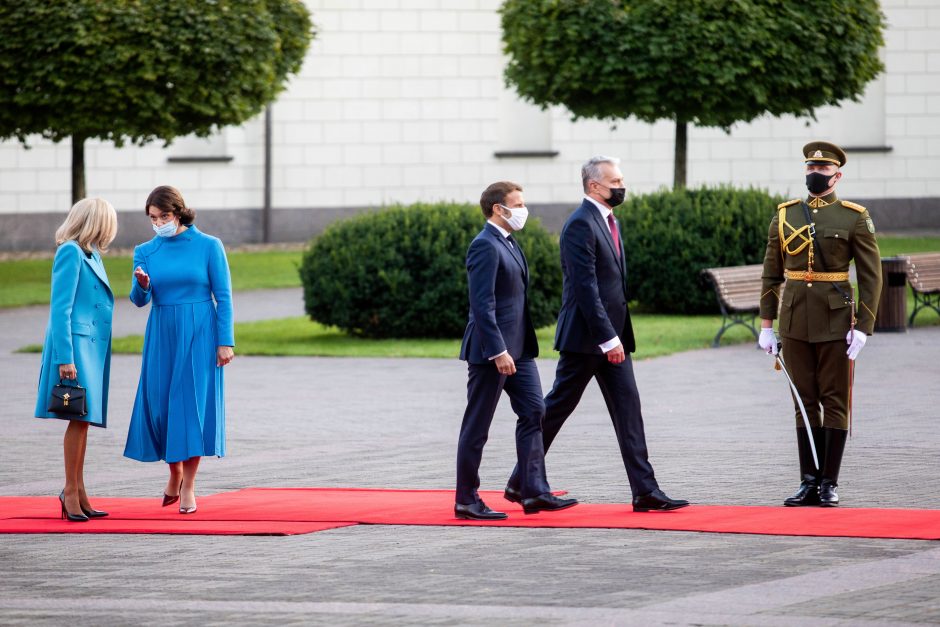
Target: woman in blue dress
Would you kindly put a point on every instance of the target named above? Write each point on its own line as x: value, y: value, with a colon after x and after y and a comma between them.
x: 78, y: 339
x: 179, y: 412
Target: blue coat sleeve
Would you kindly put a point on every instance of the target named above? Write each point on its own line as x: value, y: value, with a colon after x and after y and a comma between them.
x: 482, y: 264
x: 140, y: 296
x: 578, y: 244
x: 65, y: 272
x: 220, y: 282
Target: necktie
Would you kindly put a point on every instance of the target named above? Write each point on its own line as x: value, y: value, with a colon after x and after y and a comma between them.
x: 614, y: 232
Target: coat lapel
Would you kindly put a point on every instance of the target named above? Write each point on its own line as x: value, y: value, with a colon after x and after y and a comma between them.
x: 605, y: 230
x: 97, y: 266
x: 514, y: 251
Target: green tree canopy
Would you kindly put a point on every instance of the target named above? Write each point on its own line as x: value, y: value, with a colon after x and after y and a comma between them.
x: 704, y: 62
x: 141, y: 70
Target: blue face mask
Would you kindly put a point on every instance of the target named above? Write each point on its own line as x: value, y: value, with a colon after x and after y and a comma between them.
x: 167, y: 230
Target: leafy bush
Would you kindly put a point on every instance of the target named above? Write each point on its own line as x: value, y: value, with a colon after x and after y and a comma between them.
x: 401, y: 272
x: 670, y: 236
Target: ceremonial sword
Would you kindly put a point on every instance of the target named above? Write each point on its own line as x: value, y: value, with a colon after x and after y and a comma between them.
x: 799, y: 402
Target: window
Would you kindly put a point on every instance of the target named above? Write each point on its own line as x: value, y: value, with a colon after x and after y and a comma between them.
x: 192, y: 149
x: 524, y: 129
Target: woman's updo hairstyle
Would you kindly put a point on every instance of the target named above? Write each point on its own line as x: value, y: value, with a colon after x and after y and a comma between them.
x: 170, y: 200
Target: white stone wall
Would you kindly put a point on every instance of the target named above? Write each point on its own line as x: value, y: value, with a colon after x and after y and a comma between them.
x: 401, y: 100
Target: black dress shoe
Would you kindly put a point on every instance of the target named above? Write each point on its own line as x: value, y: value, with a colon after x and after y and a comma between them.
x: 512, y: 495
x: 807, y: 494
x: 828, y: 497
x: 547, y: 502
x: 477, y: 511
x: 656, y: 501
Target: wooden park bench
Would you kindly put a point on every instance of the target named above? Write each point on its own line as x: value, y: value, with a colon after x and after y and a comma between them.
x: 923, y: 275
x: 738, y: 291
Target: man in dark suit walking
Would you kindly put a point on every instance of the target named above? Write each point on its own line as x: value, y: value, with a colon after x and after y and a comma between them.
x: 500, y: 347
x: 595, y: 335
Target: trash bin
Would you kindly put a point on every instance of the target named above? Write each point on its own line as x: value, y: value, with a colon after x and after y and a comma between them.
x: 892, y: 310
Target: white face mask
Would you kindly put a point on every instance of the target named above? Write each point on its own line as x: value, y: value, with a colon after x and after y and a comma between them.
x: 167, y: 230
x: 518, y: 216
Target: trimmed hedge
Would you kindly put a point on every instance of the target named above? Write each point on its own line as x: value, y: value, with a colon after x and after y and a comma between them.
x: 671, y: 236
x: 401, y: 272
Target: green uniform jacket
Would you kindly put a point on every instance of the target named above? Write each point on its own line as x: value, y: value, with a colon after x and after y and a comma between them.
x: 815, y: 311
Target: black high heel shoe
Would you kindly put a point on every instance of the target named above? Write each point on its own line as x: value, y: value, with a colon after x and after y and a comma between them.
x: 94, y: 513
x: 169, y: 500
x: 68, y: 516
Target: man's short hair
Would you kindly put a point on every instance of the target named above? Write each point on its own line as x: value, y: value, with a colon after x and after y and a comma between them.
x: 496, y: 194
x: 591, y: 170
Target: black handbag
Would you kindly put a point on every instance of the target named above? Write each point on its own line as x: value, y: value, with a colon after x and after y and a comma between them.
x: 68, y: 399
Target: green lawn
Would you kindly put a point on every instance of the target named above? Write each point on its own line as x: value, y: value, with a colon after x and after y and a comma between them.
x: 656, y: 335
x: 891, y: 245
x: 26, y: 281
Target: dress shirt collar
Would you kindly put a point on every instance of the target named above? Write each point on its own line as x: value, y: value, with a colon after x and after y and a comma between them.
x: 501, y: 230
x: 604, y: 209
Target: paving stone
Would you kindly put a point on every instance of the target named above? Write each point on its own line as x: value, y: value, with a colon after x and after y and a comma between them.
x: 720, y: 431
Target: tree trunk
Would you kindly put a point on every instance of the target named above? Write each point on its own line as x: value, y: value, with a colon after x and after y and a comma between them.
x: 78, y: 168
x: 681, y: 155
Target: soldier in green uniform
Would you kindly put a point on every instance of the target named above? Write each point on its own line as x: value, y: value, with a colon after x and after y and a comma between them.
x: 810, y: 244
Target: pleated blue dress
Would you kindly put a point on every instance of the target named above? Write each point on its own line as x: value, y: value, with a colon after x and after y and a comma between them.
x: 179, y: 411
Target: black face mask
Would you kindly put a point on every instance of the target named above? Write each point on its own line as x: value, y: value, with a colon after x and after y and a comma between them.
x: 817, y: 182
x: 617, y: 196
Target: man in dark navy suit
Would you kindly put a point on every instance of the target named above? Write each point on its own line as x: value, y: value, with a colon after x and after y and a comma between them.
x: 595, y: 335
x: 500, y: 347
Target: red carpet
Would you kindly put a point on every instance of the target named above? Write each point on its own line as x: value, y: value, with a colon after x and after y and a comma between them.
x: 190, y: 527
x: 285, y: 511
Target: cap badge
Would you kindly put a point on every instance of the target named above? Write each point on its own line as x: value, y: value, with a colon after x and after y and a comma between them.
x: 818, y: 153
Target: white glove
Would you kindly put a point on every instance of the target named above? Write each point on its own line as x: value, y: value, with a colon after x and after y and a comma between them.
x: 856, y: 341
x: 768, y: 341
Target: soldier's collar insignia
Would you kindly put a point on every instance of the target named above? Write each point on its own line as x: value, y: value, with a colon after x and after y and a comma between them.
x: 818, y: 202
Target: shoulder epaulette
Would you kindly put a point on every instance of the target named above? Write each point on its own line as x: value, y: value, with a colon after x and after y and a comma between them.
x: 853, y: 206
x: 788, y: 203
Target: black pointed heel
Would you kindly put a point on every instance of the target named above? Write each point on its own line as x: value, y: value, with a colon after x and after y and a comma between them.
x: 169, y: 500
x: 65, y: 513
x: 94, y: 513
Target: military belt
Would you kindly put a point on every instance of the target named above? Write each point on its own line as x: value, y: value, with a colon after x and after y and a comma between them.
x: 803, y: 275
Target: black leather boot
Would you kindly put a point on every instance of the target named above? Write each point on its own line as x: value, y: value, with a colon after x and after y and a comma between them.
x: 808, y: 492
x: 831, y: 462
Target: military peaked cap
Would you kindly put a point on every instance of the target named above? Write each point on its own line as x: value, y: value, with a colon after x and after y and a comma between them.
x: 823, y: 153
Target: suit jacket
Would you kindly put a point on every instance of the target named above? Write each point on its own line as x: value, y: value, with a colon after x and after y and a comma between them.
x: 499, y: 320
x: 594, y: 289
x: 79, y: 330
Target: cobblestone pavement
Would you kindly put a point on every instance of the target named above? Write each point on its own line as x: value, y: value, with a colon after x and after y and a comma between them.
x: 719, y: 428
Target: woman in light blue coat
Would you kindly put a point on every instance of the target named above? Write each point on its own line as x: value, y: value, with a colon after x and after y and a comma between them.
x: 78, y: 338
x: 179, y: 413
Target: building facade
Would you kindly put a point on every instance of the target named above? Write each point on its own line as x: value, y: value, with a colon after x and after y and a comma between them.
x: 404, y: 101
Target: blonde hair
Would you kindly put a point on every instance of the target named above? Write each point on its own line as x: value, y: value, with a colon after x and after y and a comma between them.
x: 91, y: 222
